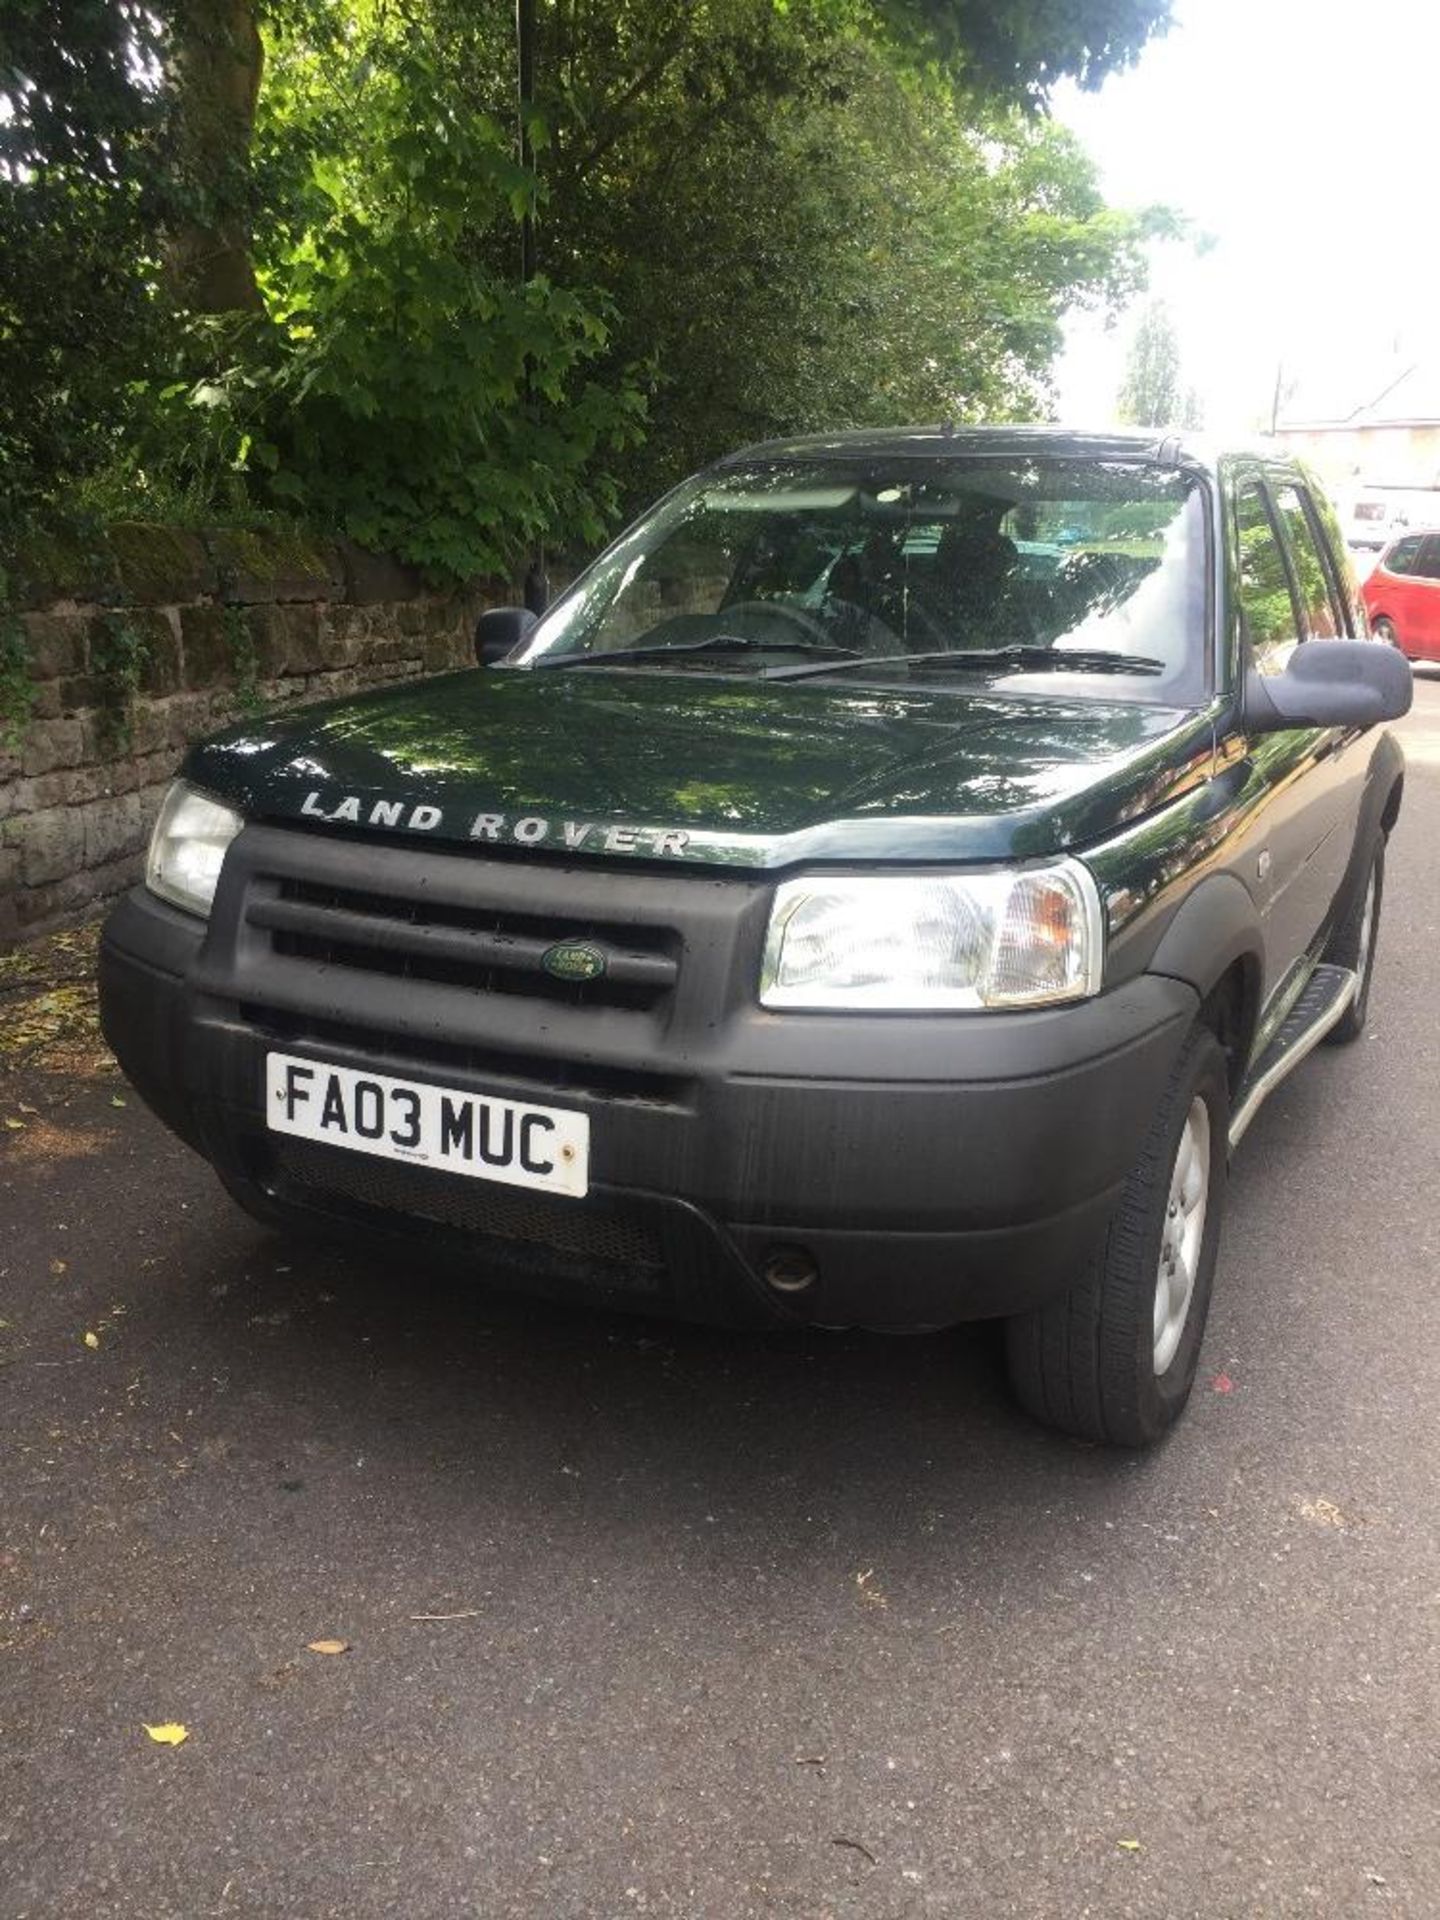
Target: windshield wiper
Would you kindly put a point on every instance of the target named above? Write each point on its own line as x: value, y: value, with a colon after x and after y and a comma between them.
x: 716, y: 643
x: 1031, y: 659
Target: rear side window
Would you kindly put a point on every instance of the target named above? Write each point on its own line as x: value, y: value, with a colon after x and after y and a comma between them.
x: 1328, y: 531
x: 1427, y: 565
x: 1267, y: 603
x: 1403, y: 555
x: 1318, y: 598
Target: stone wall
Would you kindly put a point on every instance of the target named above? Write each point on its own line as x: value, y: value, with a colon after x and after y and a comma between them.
x: 228, y: 621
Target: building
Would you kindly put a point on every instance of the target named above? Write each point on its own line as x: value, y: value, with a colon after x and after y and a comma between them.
x: 1390, y: 442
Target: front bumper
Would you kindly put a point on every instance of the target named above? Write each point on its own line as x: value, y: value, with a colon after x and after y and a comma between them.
x: 933, y: 1168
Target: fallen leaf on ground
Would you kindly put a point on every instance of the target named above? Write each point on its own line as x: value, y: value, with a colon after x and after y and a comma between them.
x: 327, y: 1646
x: 24, y: 1108
x: 169, y: 1733
x: 856, y: 1847
x: 871, y: 1596
x: 92, y: 1340
x: 1222, y: 1383
x: 116, y: 1101
x: 15, y: 1126
x: 1128, y: 1846
x: 57, y: 1267
x: 1322, y: 1513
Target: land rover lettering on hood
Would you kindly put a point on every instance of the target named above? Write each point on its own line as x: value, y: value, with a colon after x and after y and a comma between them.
x: 879, y: 891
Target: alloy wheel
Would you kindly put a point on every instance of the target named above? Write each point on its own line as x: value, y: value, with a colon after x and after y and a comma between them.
x: 1183, y: 1233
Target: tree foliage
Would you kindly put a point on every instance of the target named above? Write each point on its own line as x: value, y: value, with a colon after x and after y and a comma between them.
x: 1021, y: 47
x: 1152, y: 393
x: 830, y: 241
x: 419, y: 395
x: 82, y: 182
x: 751, y: 217
x: 215, y: 57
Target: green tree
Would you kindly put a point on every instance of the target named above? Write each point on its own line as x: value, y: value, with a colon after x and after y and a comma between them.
x: 800, y: 229
x: 82, y: 191
x: 215, y: 56
x: 769, y: 214
x: 1015, y: 48
x: 1152, y: 393
x: 412, y: 389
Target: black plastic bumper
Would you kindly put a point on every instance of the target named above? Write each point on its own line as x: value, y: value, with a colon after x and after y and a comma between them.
x: 933, y: 1168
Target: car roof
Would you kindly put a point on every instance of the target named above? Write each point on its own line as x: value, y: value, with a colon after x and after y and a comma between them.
x: 944, y: 441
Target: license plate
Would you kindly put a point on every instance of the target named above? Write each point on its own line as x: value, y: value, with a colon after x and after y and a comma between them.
x: 441, y: 1127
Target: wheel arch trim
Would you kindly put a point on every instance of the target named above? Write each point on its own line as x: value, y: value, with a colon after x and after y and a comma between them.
x: 1214, y: 935
x: 1214, y: 927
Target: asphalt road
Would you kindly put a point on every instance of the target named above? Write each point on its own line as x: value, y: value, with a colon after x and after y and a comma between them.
x: 726, y: 1625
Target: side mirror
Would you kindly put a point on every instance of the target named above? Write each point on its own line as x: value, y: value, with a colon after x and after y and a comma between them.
x: 498, y: 630
x: 1331, y: 683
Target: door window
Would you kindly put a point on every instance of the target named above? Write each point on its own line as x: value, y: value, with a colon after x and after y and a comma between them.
x: 1323, y: 619
x: 1403, y: 555
x: 1266, y: 598
x: 1427, y: 564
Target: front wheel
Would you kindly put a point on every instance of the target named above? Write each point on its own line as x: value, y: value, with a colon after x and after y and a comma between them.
x: 1115, y: 1358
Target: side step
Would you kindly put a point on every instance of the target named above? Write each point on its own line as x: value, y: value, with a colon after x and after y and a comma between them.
x: 1328, y: 992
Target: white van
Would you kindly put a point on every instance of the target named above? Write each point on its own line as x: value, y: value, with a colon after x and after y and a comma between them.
x: 1378, y: 515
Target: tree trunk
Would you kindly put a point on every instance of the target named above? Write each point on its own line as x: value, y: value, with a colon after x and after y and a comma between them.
x: 217, y: 62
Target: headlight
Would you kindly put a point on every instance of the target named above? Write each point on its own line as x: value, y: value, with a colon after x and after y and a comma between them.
x: 187, y: 847
x: 1023, y: 938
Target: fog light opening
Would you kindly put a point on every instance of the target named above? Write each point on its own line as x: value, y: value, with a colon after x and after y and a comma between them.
x: 789, y: 1270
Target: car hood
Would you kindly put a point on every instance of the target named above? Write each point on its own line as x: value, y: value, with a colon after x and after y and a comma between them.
x: 712, y: 767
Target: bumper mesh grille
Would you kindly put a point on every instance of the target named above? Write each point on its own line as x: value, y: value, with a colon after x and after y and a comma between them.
x: 587, y: 1231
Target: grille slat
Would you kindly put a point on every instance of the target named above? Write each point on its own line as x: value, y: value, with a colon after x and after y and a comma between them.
x: 475, y: 947
x: 392, y: 933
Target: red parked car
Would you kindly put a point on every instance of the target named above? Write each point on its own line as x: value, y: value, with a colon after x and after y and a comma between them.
x: 1402, y: 596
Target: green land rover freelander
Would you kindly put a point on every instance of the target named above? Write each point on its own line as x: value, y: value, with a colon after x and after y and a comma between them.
x: 878, y: 892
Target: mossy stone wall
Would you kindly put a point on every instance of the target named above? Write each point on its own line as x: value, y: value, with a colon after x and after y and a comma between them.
x: 215, y: 624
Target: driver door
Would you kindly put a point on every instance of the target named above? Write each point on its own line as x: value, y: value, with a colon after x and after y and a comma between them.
x: 1287, y: 599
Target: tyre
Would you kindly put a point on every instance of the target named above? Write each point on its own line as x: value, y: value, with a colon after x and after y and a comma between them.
x: 1115, y: 1358
x: 1384, y: 630
x: 1352, y: 945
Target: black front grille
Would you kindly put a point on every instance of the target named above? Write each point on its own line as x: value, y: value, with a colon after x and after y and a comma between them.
x: 388, y: 1052
x: 428, y: 962
x: 605, y: 1243
x: 479, y: 949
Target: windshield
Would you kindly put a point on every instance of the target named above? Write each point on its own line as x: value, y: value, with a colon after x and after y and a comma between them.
x: 1078, y: 569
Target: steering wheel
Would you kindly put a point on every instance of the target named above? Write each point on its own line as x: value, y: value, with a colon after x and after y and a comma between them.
x: 807, y: 622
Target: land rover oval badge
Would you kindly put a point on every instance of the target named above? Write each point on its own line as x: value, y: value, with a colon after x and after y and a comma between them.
x: 573, y: 960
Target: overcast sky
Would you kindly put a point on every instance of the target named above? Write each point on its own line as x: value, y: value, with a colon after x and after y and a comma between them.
x: 1302, y: 135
